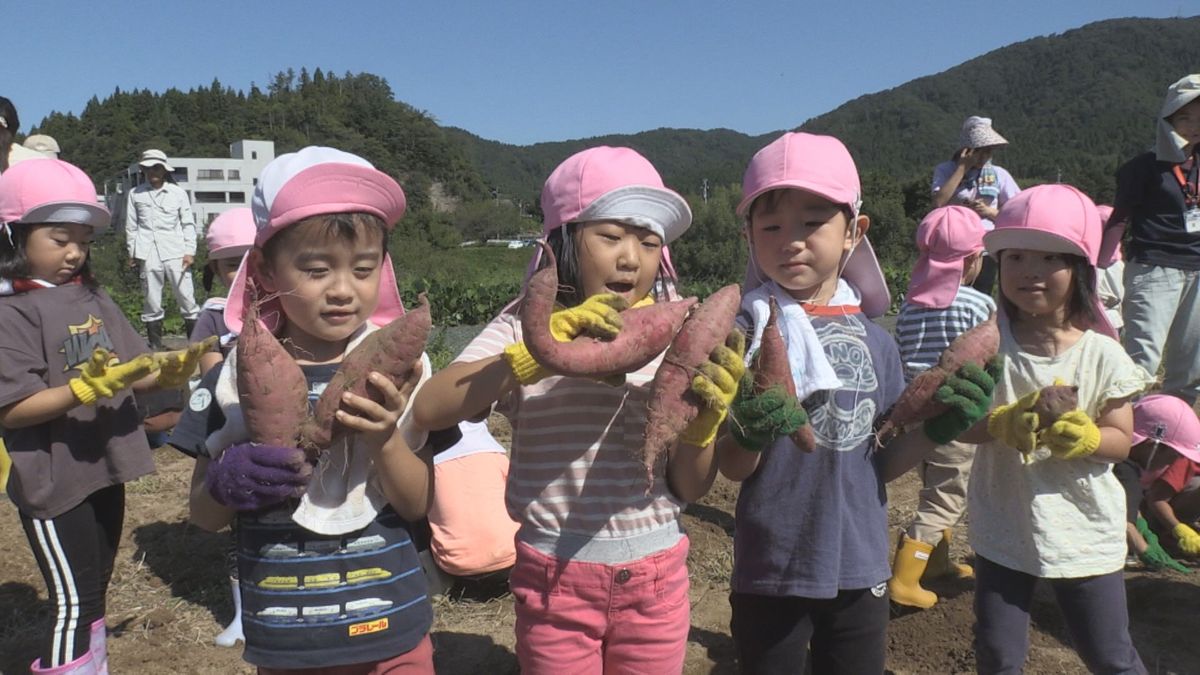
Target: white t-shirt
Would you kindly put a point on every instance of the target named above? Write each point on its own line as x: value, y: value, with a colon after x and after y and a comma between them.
x: 1054, y: 518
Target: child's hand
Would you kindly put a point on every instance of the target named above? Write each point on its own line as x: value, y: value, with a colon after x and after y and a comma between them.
x: 757, y: 420
x: 968, y: 393
x: 103, y: 376
x: 599, y: 316
x: 1155, y: 556
x: 1072, y: 436
x: 249, y: 476
x: 1189, y: 541
x: 716, y: 385
x: 376, y: 422
x: 1016, y: 424
x: 175, y: 368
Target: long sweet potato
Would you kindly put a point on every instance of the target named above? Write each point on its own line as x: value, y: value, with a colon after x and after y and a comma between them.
x: 916, y: 404
x: 273, y: 389
x: 673, y: 404
x: 645, y: 332
x: 392, y: 351
x: 771, y: 370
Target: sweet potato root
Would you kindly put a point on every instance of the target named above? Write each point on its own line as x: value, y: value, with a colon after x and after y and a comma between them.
x: 392, y: 351
x: 673, y: 404
x: 1054, y: 402
x: 273, y: 389
x: 645, y: 333
x: 916, y: 404
x: 771, y: 369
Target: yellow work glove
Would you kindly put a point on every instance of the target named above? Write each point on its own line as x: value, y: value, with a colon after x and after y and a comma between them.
x: 716, y: 384
x: 103, y: 375
x: 1073, y: 435
x: 598, y: 316
x: 1015, y: 424
x: 1189, y: 541
x: 176, y: 368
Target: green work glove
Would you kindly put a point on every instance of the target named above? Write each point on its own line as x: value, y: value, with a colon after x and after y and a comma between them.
x: 103, y: 376
x: 176, y: 368
x: 968, y: 393
x: 1073, y: 435
x: 1015, y: 424
x: 1189, y: 541
x: 598, y: 316
x: 757, y: 420
x: 1155, y: 556
x: 716, y: 385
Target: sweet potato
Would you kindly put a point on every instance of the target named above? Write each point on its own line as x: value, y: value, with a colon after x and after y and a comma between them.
x: 916, y: 404
x: 1054, y: 402
x: 392, y: 351
x: 673, y: 404
x: 771, y: 369
x: 273, y: 389
x: 645, y: 332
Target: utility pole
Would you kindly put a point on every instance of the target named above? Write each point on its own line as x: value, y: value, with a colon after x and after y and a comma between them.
x: 705, y: 188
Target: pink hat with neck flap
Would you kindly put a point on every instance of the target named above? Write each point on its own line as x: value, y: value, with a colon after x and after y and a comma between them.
x: 1170, y: 421
x: 310, y: 182
x: 823, y: 166
x: 945, y: 238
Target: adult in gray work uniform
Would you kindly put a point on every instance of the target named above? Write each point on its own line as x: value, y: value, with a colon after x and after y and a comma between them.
x: 160, y: 235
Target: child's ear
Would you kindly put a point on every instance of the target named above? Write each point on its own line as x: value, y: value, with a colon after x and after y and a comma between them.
x: 262, y: 270
x: 856, y: 230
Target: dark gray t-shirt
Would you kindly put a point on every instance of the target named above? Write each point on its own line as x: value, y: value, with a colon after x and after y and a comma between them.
x: 210, y: 322
x: 811, y: 524
x: 45, y: 336
x: 1149, y: 190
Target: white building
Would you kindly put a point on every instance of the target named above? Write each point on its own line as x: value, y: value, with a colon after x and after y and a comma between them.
x: 213, y: 184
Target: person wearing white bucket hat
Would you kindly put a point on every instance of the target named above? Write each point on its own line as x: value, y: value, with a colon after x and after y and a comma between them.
x: 160, y: 238
x: 321, y: 280
x: 971, y: 179
x: 11, y: 152
x: 1158, y: 196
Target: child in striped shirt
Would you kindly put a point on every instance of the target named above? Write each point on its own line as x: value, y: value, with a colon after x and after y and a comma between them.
x: 600, y: 579
x: 940, y: 306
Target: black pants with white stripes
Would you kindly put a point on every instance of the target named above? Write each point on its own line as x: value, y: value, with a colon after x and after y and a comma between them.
x: 75, y: 552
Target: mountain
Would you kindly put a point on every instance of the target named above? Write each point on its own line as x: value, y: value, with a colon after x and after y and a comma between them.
x: 1072, y: 105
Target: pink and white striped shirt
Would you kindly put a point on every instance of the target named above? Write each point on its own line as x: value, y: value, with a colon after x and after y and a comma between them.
x: 576, y: 483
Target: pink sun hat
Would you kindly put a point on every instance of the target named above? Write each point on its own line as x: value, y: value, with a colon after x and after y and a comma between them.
x: 1170, y: 421
x: 231, y: 234
x: 1055, y: 218
x: 310, y: 182
x: 945, y: 238
x: 50, y: 191
x: 823, y: 166
x: 618, y: 184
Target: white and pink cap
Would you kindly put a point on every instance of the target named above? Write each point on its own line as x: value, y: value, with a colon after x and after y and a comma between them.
x: 945, y: 238
x: 231, y: 234
x: 310, y: 182
x: 823, y: 166
x: 617, y: 184
x: 50, y: 191
x: 1054, y: 218
x: 1170, y: 421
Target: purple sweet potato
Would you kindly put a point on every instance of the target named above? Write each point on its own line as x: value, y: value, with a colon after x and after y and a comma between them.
x: 392, y: 351
x: 645, y: 332
x: 772, y: 370
x: 673, y: 404
x: 273, y: 389
x: 1054, y: 402
x: 916, y: 404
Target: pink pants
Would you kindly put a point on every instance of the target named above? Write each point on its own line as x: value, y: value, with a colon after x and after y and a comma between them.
x: 580, y: 617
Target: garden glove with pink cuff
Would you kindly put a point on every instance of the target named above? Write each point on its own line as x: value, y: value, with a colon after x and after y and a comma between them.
x: 176, y: 368
x: 103, y: 376
x: 1016, y: 424
x: 716, y: 384
x: 1189, y: 541
x: 598, y: 316
x: 1072, y: 436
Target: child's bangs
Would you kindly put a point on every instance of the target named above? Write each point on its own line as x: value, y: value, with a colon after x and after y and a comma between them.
x: 330, y: 228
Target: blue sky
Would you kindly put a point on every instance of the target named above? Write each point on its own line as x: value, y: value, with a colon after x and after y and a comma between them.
x: 522, y: 72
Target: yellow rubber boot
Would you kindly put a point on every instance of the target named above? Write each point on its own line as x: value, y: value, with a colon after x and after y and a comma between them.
x: 940, y: 564
x: 5, y: 463
x: 912, y: 556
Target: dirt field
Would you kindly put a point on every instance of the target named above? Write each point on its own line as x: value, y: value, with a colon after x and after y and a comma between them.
x: 169, y: 597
